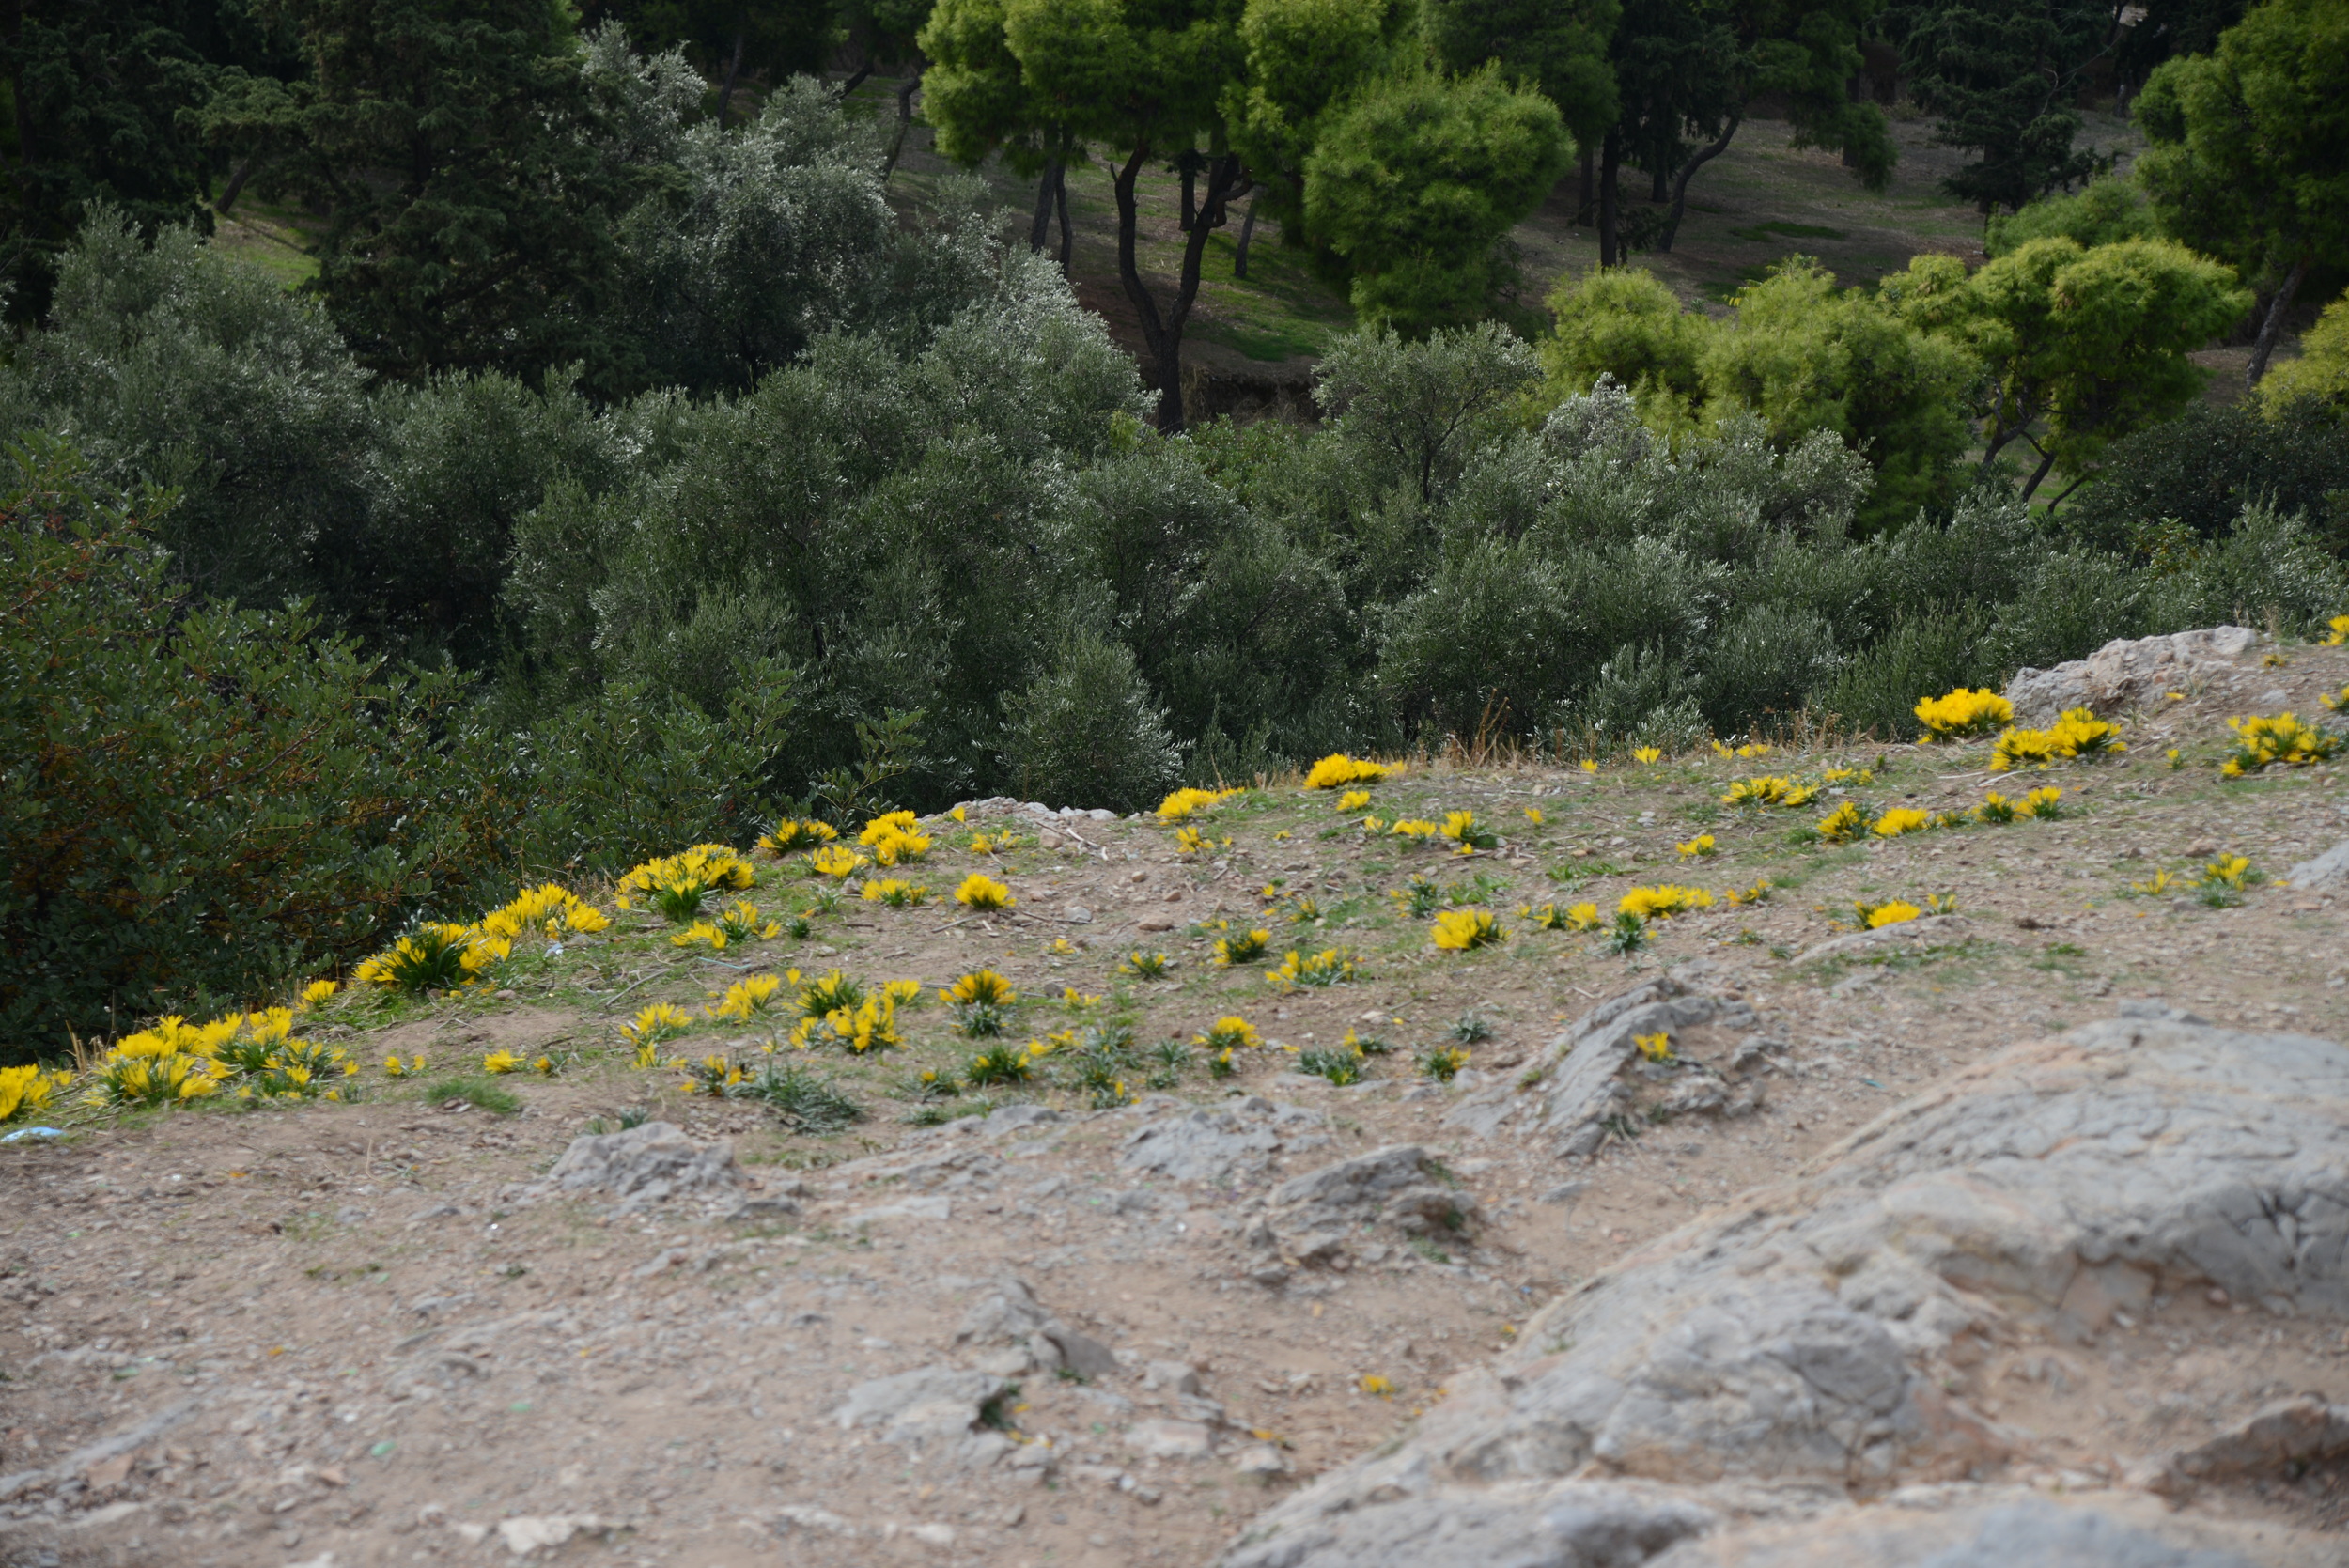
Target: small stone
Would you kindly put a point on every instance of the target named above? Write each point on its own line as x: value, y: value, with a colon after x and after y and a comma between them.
x: 1172, y: 1439
x: 1262, y: 1459
x: 2216, y: 1297
x: 1171, y: 1376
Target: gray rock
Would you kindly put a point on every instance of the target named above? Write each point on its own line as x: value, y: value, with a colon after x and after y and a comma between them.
x: 1581, y: 1087
x: 1061, y: 1348
x: 2284, y: 1438
x: 1171, y: 1376
x: 1311, y: 1216
x: 1925, y: 931
x: 1569, y: 1525
x: 1008, y: 1312
x: 2331, y: 869
x: 646, y: 1164
x: 1011, y: 1118
x: 1797, y: 1338
x: 2026, y: 1533
x: 1214, y: 1146
x: 2125, y: 673
x: 926, y: 1403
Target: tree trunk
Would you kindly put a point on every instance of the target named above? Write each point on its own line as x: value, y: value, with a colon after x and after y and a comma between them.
x: 734, y: 69
x: 1059, y: 201
x: 1246, y: 237
x: 906, y: 90
x: 856, y: 80
x: 2047, y: 461
x: 1191, y: 193
x: 1586, y: 208
x: 237, y: 177
x: 1163, y: 334
x: 1696, y: 160
x: 1609, y: 198
x: 2272, y: 328
x: 1041, y: 229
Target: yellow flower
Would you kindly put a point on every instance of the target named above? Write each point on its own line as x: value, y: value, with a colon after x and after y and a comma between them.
x: 1963, y: 713
x: 1243, y: 947
x: 1589, y: 766
x: 1647, y: 755
x: 2041, y: 803
x: 1758, y: 893
x: 1190, y: 841
x: 1354, y: 799
x: 660, y: 1021
x: 1995, y: 807
x: 675, y: 885
x: 2160, y: 882
x: 1841, y: 823
x: 500, y: 1062
x: 894, y: 891
x: 1077, y: 1001
x: 1184, y: 802
x: 1061, y: 947
x: 1898, y: 820
x: 1656, y: 1046
x: 747, y: 998
x: 1874, y: 916
x: 835, y: 862
x: 1330, y: 967
x: 1231, y: 1032
x: 318, y: 992
x: 2230, y: 871
x: 2077, y: 733
x: 26, y: 1091
x: 1146, y: 965
x: 1337, y: 769
x: 1412, y: 827
x: 1374, y: 1384
x: 1758, y: 749
x: 1849, y: 775
x: 982, y: 893
x: 1534, y: 814
x: 2264, y: 742
x: 543, y: 1066
x: 1662, y: 902
x: 1696, y: 847
x: 699, y: 932
x: 1769, y: 790
x: 1461, y: 829
x: 2337, y: 634
x: 788, y: 835
x: 1465, y: 930
x: 980, y: 985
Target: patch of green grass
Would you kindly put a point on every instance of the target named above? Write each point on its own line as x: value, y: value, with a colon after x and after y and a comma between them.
x: 1762, y: 234
x: 485, y: 1094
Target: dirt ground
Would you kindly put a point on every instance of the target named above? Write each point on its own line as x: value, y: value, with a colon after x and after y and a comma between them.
x: 350, y: 1334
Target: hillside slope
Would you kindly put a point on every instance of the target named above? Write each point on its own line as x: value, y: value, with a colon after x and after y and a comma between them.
x: 1132, y: 1310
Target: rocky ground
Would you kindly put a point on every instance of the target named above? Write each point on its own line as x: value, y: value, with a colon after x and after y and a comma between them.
x: 2015, y: 1229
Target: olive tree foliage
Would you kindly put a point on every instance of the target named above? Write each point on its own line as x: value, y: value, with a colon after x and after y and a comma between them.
x: 1800, y: 353
x: 165, y: 365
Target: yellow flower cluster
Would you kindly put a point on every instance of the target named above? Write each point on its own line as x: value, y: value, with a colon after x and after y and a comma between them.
x: 1190, y: 841
x: 2265, y: 742
x: 2337, y: 633
x: 894, y: 892
x: 893, y: 839
x: 871, y: 1025
x: 1655, y: 1047
x: 1649, y: 756
x: 1461, y: 828
x: 789, y: 836
x: 1548, y: 917
x: 1898, y: 820
x: 441, y: 956
x: 1769, y: 789
x: 1754, y: 749
x: 1184, y: 802
x: 1758, y: 893
x: 556, y: 911
x: 1963, y: 713
x: 738, y: 922
x: 1331, y: 966
x: 1337, y: 771
x: 1891, y: 912
x: 982, y: 895
x: 26, y: 1091
x: 747, y: 998
x: 1697, y: 848
x: 1353, y: 799
x: 1843, y: 823
x: 1242, y: 947
x: 1231, y: 1032
x: 980, y: 985
x: 2076, y: 733
x: 176, y: 1060
x: 661, y: 1021
x: 677, y: 884
x: 1663, y: 902
x: 1465, y: 930
x: 2337, y: 701
x: 836, y: 861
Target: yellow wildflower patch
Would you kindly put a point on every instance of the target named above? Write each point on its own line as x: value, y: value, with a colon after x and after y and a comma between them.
x: 1963, y: 713
x: 1465, y: 930
x: 1337, y: 771
x: 1663, y: 902
x: 982, y: 895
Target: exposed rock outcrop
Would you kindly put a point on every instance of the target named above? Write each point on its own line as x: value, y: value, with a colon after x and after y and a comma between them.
x: 2129, y: 673
x: 1799, y: 1344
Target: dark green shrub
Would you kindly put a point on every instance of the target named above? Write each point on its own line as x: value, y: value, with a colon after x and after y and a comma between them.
x: 193, y: 801
x: 1086, y: 733
x: 2204, y: 467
